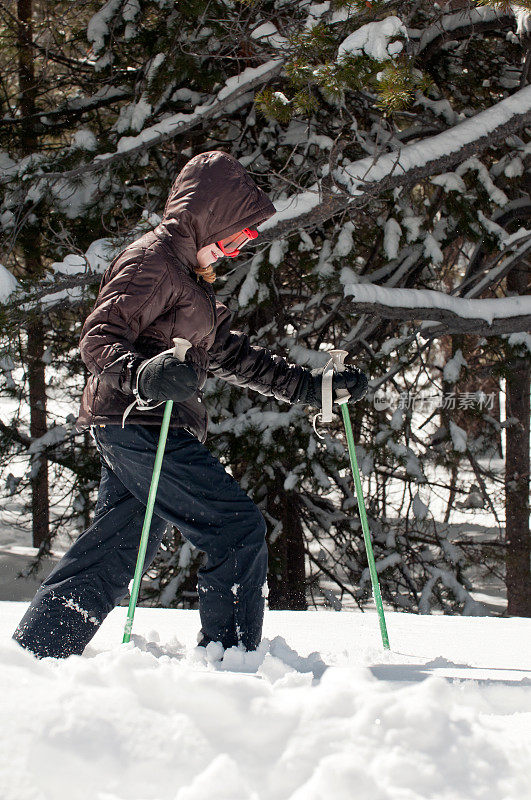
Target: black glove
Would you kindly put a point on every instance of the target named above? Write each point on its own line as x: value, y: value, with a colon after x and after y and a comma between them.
x: 166, y: 378
x: 352, y: 379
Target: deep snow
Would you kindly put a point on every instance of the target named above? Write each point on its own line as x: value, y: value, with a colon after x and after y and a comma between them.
x: 446, y: 715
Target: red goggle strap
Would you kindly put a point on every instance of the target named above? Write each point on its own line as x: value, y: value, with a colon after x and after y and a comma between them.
x: 232, y: 254
x: 250, y: 235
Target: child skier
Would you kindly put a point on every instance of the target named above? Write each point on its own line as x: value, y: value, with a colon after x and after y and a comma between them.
x: 159, y: 288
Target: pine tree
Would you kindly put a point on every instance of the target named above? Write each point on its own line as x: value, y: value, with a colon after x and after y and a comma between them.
x: 312, y: 100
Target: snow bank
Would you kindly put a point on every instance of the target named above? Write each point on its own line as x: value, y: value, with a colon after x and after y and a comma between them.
x: 157, y: 721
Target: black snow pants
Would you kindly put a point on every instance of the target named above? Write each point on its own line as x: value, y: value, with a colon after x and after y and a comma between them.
x: 195, y: 494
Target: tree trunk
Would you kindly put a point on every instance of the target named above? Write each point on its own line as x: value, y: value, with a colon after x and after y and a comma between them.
x: 517, y: 534
x: 40, y: 503
x: 30, y: 244
x: 287, y: 572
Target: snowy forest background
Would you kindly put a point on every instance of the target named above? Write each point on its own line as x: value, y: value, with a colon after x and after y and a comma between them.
x: 393, y: 138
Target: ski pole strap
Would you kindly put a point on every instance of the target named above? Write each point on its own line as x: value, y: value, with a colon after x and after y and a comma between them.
x: 178, y: 351
x: 326, y: 391
x: 338, y: 357
x: 335, y: 364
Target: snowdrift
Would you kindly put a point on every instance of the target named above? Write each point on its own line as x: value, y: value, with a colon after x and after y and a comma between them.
x: 319, y: 713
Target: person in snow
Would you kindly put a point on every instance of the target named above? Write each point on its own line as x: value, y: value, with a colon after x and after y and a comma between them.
x: 159, y: 288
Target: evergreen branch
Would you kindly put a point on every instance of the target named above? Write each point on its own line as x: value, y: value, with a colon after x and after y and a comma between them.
x: 51, y: 452
x: 333, y: 577
x: 496, y: 271
x: 379, y: 175
x: 517, y: 210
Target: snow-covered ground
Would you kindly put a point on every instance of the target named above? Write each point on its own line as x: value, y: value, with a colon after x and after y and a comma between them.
x: 446, y: 715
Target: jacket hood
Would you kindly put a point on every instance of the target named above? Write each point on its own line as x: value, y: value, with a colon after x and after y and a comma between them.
x: 211, y: 198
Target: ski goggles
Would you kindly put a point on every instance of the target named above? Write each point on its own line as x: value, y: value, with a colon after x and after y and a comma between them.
x: 232, y: 244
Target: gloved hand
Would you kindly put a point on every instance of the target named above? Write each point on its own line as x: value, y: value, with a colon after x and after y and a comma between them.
x: 352, y: 379
x: 166, y: 378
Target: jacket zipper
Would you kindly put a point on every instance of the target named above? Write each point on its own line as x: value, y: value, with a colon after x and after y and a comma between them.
x: 212, y: 308
x: 213, y: 315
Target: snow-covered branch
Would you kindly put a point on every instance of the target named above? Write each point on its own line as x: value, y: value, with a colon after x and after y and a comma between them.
x: 487, y: 317
x: 497, y: 271
x: 74, y: 107
x: 431, y: 155
x: 369, y: 176
x: 228, y: 98
x: 457, y: 26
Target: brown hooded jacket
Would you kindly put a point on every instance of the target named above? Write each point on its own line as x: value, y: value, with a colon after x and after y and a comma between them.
x: 151, y: 294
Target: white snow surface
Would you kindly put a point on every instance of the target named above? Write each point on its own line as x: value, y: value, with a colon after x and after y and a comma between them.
x: 446, y: 715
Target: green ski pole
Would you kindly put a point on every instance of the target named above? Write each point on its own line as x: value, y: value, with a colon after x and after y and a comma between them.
x: 365, y: 526
x: 181, y: 346
x: 342, y: 396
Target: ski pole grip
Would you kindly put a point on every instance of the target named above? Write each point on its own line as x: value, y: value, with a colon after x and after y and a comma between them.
x: 335, y: 364
x: 338, y: 357
x: 181, y: 346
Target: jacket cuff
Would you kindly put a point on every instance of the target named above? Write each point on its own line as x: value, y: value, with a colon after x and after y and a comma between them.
x: 303, y: 388
x: 121, y: 374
